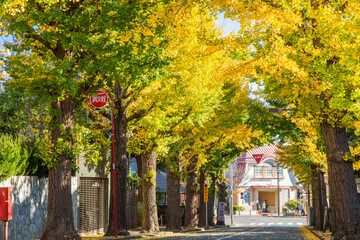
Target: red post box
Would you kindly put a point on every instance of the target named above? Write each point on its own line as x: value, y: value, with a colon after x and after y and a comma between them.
x: 5, y: 203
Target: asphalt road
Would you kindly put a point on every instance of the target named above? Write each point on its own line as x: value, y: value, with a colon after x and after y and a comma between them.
x: 265, y: 221
x: 246, y: 233
x: 247, y: 228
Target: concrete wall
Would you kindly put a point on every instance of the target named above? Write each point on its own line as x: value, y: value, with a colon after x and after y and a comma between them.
x: 30, y: 206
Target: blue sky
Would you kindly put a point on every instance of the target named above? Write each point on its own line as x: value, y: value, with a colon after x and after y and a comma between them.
x: 227, y: 24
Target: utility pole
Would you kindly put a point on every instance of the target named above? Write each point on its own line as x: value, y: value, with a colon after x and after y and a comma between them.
x: 278, y: 188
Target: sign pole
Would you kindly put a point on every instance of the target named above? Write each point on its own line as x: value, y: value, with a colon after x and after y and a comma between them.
x: 206, y: 207
x: 206, y: 202
x: 278, y: 188
x: 5, y: 229
x: 113, y: 164
x: 231, y: 193
x: 100, y: 101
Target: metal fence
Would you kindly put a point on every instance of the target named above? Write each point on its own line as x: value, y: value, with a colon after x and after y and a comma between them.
x: 93, y: 206
x: 131, y: 203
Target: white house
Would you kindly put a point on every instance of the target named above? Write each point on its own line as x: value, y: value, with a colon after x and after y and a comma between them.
x: 256, y: 182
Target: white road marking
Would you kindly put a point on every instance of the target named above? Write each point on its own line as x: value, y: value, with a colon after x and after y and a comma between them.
x: 280, y: 223
x: 226, y: 237
x: 289, y: 223
x: 241, y: 233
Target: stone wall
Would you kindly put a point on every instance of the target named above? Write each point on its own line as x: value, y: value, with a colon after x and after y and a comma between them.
x: 30, y: 206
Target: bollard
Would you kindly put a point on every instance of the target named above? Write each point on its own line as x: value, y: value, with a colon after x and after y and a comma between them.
x: 271, y: 213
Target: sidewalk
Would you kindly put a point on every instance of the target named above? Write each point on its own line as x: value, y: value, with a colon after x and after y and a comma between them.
x: 321, y: 235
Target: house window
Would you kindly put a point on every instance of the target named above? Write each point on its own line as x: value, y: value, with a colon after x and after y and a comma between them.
x: 286, y: 195
x: 258, y: 172
x: 280, y: 172
x: 268, y: 172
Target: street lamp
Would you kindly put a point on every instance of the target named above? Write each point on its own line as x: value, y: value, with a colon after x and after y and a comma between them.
x: 278, y: 188
x: 103, y: 101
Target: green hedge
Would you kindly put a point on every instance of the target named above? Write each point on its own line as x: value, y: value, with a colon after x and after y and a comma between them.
x: 238, y: 208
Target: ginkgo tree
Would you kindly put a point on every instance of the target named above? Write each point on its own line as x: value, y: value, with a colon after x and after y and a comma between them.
x: 305, y: 156
x: 140, y: 80
x: 185, y: 95
x: 307, y: 56
x: 62, y: 51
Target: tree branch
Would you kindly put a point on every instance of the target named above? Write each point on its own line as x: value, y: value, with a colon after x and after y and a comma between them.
x: 140, y: 114
x: 39, y: 39
x: 183, y: 4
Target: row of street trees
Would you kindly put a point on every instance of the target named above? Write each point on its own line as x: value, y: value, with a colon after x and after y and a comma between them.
x: 170, y: 71
x: 306, y: 54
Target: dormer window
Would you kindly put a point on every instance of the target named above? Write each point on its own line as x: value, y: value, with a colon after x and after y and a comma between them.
x: 258, y: 172
x: 267, y: 170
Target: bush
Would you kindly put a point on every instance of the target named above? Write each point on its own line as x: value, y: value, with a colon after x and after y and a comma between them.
x: 238, y: 208
x: 291, y: 205
x: 13, y: 157
x: 285, y: 211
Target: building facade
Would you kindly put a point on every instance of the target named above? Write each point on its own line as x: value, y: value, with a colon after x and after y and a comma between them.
x: 255, y: 182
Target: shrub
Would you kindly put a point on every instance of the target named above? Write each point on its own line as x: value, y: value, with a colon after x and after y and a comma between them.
x: 238, y: 208
x: 13, y: 157
x: 291, y: 205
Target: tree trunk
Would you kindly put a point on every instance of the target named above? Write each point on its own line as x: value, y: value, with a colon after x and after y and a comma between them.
x: 173, y: 199
x: 60, y: 218
x: 140, y: 175
x: 191, y: 195
x: 150, y: 214
x: 202, y: 208
x: 323, y: 202
x: 121, y: 139
x: 211, y: 203
x: 316, y: 199
x: 319, y: 197
x: 344, y: 200
x: 222, y: 198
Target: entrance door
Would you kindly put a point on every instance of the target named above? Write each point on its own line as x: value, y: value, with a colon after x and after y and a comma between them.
x: 270, y: 199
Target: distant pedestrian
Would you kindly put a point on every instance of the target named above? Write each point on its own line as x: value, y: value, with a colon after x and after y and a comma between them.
x: 264, y: 207
x: 258, y: 207
x: 302, y: 209
x: 182, y: 211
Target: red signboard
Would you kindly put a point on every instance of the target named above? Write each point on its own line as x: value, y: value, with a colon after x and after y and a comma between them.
x: 99, y: 100
x: 258, y: 157
x: 6, y: 203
